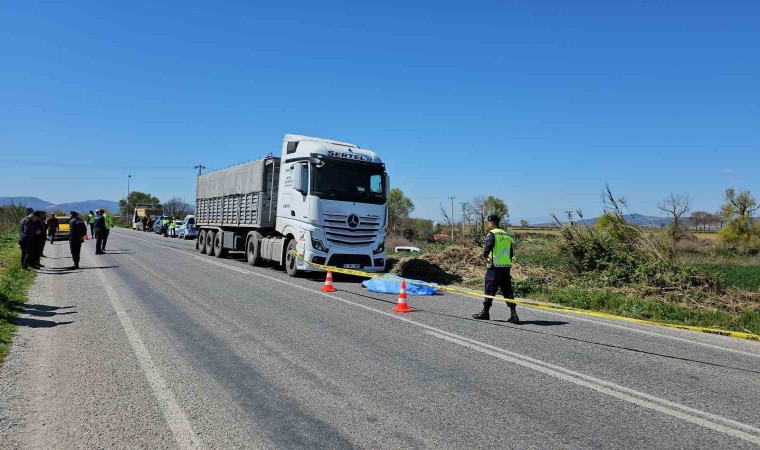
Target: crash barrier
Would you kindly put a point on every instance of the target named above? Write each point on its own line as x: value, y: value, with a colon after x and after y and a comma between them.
x: 539, y: 305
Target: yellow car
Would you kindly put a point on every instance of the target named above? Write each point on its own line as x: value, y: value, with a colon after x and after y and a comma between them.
x: 64, y: 227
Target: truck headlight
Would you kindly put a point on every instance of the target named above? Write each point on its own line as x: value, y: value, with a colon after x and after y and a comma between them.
x: 318, y: 245
x: 380, y: 248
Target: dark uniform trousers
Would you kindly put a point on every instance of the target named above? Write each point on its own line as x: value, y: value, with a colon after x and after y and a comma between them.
x: 27, y: 253
x: 76, y: 249
x: 105, y: 239
x: 99, y: 242
x: 498, y: 278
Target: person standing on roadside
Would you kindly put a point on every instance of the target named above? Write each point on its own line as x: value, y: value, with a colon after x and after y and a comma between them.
x: 42, y: 238
x: 27, y: 237
x: 78, y: 231
x: 109, y: 224
x: 498, y: 252
x: 99, y: 229
x: 145, y: 223
x: 91, y: 223
x: 52, y: 227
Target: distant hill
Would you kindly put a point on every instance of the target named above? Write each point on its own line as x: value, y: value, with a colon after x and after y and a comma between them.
x: 87, y: 205
x: 36, y: 203
x: 30, y: 202
x: 633, y: 219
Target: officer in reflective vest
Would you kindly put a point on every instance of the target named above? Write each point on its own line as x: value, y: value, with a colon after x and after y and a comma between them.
x: 109, y: 224
x: 499, y: 253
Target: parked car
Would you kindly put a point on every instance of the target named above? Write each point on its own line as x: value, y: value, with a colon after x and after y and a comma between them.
x: 64, y: 227
x: 158, y: 228
x: 407, y: 249
x: 187, y: 229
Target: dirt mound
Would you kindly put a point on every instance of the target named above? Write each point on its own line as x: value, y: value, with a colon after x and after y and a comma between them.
x: 455, y: 264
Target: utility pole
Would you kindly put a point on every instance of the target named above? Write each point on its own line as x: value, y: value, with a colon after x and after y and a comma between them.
x: 129, y: 218
x: 464, y: 213
x: 200, y: 167
x: 569, y: 216
x: 452, y: 217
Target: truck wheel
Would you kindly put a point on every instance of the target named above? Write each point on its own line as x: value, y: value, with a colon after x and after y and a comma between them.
x: 291, y: 259
x: 210, y: 239
x: 219, y: 250
x: 253, y: 251
x: 202, y: 241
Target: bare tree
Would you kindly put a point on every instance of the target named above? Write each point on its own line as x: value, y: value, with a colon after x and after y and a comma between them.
x: 676, y: 206
x: 741, y: 204
x: 177, y: 207
x: 702, y: 218
x: 524, y: 223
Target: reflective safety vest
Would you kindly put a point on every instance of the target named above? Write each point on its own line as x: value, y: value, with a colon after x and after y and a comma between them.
x: 108, y: 221
x: 500, y: 255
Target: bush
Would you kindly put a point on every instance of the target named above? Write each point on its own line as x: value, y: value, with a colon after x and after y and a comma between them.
x: 10, y: 215
x: 742, y: 234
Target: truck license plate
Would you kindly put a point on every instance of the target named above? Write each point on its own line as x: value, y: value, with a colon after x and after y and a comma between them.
x: 352, y: 266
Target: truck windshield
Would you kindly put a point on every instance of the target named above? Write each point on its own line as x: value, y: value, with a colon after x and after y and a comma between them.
x: 349, y: 182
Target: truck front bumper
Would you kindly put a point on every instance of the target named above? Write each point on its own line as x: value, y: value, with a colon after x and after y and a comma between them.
x: 364, y: 262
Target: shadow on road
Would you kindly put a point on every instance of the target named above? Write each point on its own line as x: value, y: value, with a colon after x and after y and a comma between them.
x: 38, y: 323
x: 540, y: 323
x: 46, y: 307
x: 71, y: 269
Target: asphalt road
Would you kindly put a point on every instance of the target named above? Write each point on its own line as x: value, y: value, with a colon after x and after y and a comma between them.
x: 156, y: 346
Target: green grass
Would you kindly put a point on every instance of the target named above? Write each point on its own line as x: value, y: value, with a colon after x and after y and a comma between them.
x: 614, y: 303
x: 14, y: 285
x: 541, y: 259
x: 734, y: 276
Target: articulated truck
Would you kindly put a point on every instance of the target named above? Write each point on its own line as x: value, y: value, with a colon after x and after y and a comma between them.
x: 321, y: 201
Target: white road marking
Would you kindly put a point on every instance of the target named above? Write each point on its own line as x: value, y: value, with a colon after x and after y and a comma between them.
x: 701, y: 418
x: 707, y: 420
x: 650, y: 333
x: 175, y: 417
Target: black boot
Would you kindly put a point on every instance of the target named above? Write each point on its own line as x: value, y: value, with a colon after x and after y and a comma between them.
x: 513, y: 318
x: 482, y: 315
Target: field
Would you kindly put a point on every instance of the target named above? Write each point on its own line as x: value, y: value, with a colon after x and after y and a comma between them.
x: 702, y: 285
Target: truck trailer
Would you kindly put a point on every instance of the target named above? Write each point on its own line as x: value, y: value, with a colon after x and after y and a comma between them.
x: 321, y: 201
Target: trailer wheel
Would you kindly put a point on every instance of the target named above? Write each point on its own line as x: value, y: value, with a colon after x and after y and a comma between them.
x: 291, y: 260
x: 219, y: 250
x: 253, y: 251
x: 202, y: 241
x: 210, y: 239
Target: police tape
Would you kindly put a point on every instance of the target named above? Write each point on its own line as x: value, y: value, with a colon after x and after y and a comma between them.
x: 536, y: 304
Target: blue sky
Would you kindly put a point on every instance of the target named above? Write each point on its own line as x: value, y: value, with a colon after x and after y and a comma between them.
x: 539, y: 103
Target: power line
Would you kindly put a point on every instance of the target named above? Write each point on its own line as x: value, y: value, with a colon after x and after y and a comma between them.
x: 91, y: 165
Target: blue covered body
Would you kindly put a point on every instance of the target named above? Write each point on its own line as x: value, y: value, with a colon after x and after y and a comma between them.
x: 394, y: 287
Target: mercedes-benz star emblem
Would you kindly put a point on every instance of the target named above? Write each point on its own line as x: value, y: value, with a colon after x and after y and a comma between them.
x: 353, y: 221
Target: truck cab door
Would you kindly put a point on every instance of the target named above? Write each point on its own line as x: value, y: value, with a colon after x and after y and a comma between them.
x: 299, y: 201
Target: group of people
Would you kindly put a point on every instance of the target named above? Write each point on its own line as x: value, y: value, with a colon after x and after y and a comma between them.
x: 35, y: 228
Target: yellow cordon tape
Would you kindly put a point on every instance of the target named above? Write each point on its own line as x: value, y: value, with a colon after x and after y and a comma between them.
x: 538, y: 305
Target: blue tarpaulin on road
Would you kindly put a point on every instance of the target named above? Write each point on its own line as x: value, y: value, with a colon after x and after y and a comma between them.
x: 394, y: 287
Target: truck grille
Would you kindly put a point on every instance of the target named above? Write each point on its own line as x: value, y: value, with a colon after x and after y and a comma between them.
x: 339, y: 231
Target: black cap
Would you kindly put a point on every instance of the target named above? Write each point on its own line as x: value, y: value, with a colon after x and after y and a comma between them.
x: 73, y: 213
x: 29, y: 210
x: 38, y: 213
x: 493, y: 219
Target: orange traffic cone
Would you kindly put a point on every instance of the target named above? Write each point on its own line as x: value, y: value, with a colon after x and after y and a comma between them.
x: 402, y: 306
x: 328, y: 287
